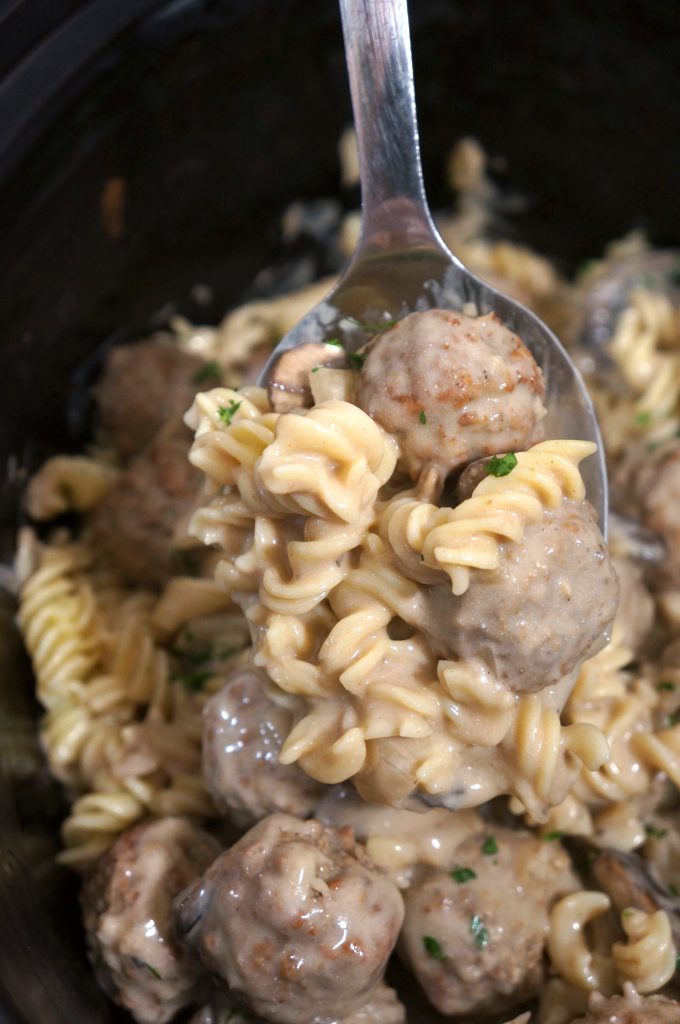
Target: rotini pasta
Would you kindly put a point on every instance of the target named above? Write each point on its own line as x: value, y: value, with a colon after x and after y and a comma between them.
x: 648, y: 958
x: 468, y: 537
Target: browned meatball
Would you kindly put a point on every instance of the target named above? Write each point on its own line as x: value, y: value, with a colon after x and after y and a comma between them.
x: 475, y: 937
x: 133, y: 528
x: 648, y: 487
x: 142, y: 387
x: 635, y: 614
x: 243, y: 732
x: 383, y: 1008
x: 295, y: 920
x: 631, y: 1009
x: 452, y: 388
x: 128, y: 918
x: 537, y: 616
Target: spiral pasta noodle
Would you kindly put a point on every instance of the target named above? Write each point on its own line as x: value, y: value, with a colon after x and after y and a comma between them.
x: 648, y: 958
x: 118, y: 729
x: 570, y: 954
x: 469, y: 536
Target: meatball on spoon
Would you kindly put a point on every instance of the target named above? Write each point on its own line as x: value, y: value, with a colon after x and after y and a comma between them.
x: 401, y: 264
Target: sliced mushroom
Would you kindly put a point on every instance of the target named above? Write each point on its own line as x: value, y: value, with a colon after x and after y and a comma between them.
x: 608, y: 295
x: 288, y: 386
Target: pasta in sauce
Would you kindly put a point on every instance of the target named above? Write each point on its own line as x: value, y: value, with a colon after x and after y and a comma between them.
x: 335, y: 656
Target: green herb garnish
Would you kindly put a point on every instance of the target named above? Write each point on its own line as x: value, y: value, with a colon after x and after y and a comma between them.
x: 549, y: 837
x: 643, y: 418
x: 501, y: 465
x: 666, y: 685
x: 489, y: 846
x: 655, y: 833
x: 479, y: 931
x: 333, y: 341
x: 628, y: 912
x: 153, y: 971
x: 433, y: 948
x: 356, y: 359
x: 210, y: 371
x: 422, y: 417
x: 195, y: 680
x: 227, y: 412
x: 315, y: 369
x: 462, y: 875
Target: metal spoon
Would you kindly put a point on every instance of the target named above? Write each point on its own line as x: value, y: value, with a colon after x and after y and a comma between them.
x: 401, y: 264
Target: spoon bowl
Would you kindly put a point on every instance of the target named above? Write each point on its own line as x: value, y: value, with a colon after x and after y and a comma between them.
x: 401, y: 265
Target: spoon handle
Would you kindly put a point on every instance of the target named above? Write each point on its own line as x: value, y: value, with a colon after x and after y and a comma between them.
x: 378, y: 54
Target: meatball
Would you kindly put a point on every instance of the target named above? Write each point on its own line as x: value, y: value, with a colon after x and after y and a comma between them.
x: 631, y: 1009
x: 133, y: 528
x: 383, y: 1008
x: 142, y: 387
x: 243, y: 732
x: 127, y: 910
x: 635, y: 614
x: 475, y: 937
x: 540, y: 613
x: 648, y: 487
x: 295, y: 920
x: 452, y: 388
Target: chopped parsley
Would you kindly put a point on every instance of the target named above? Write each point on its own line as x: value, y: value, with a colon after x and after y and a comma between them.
x: 673, y: 890
x: 643, y: 418
x: 655, y: 833
x: 490, y: 846
x: 462, y: 875
x: 153, y: 970
x: 433, y: 948
x: 666, y: 685
x: 315, y: 369
x: 480, y: 933
x: 195, y: 680
x: 501, y: 465
x: 422, y: 417
x: 334, y: 341
x: 356, y: 359
x: 549, y: 837
x: 227, y: 412
x: 628, y: 912
x: 210, y: 371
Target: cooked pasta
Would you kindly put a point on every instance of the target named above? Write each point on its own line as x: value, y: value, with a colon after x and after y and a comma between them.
x: 648, y: 958
x: 571, y: 955
x: 356, y: 602
x: 468, y: 537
